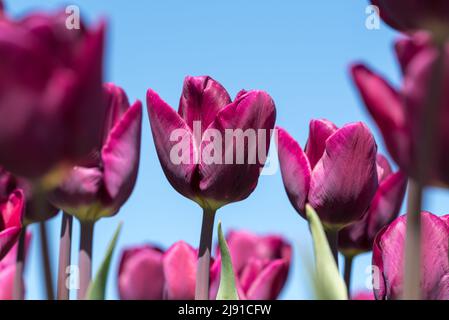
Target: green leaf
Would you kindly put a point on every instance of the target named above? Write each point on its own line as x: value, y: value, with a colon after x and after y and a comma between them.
x: 97, y: 287
x: 227, y: 289
x: 329, y: 284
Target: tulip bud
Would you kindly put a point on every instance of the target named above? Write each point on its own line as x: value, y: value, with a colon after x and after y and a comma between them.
x: 202, y: 148
x: 359, y: 236
x: 389, y: 253
x: 105, y: 180
x: 261, y: 265
x: 51, y: 101
x: 336, y: 174
x: 406, y: 15
x: 398, y: 113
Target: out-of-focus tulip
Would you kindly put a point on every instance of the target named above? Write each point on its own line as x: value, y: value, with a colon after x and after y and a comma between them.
x: 100, y: 186
x: 12, y: 207
x: 336, y: 175
x: 51, y: 99
x: 36, y: 209
x: 388, y: 257
x: 410, y: 15
x: 363, y: 295
x: 199, y: 156
x: 398, y: 113
x: 359, y: 236
x: 147, y: 273
x: 261, y: 265
x: 8, y: 270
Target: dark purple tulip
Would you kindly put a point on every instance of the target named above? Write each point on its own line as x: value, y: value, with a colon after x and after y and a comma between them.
x: 204, y: 101
x: 261, y: 265
x: 51, y: 99
x: 36, y: 209
x: 410, y: 15
x: 336, y: 174
x: 388, y: 257
x: 359, y: 236
x: 147, y: 273
x: 398, y: 113
x: 100, y: 186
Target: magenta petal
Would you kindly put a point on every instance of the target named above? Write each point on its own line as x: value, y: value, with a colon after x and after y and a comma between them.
x: 121, y: 155
x: 383, y: 168
x: 118, y: 104
x: 269, y: 282
x: 344, y: 181
x: 12, y: 211
x: 295, y: 169
x: 319, y: 131
x: 165, y: 122
x: 222, y: 183
x: 242, y: 246
x: 408, y: 47
x: 180, y: 272
x: 202, y: 98
x: 385, y: 105
x: 141, y: 275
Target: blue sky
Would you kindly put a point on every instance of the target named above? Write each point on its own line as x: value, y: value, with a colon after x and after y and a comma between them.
x: 298, y: 51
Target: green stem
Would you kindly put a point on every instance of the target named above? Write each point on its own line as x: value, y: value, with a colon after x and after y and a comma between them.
x: 204, y: 254
x: 46, y: 261
x: 18, y: 291
x: 85, y: 257
x: 65, y: 248
x: 348, y: 271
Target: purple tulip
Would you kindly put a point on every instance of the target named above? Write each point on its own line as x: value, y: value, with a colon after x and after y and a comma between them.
x: 8, y: 270
x: 51, y: 99
x: 105, y: 180
x: 408, y: 15
x: 12, y: 207
x: 205, y: 111
x: 261, y: 265
x: 359, y: 236
x: 388, y: 257
x: 36, y: 210
x: 147, y: 273
x: 398, y: 113
x: 336, y: 174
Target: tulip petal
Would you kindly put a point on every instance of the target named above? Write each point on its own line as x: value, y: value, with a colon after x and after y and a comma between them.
x: 121, y: 155
x: 295, y: 169
x: 202, y: 98
x: 118, y: 104
x: 180, y: 272
x: 141, y: 275
x: 165, y: 122
x: 319, y: 131
x: 383, y: 168
x: 408, y: 47
x: 344, y: 181
x: 269, y: 282
x: 234, y: 178
x: 386, y: 107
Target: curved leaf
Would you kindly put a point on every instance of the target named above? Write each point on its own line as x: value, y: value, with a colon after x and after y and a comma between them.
x: 227, y: 289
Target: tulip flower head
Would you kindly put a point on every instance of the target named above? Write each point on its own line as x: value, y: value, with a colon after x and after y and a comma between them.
x: 51, y: 101
x: 261, y: 265
x: 398, y: 112
x: 105, y: 180
x: 412, y: 15
x: 148, y: 273
x: 389, y: 252
x: 202, y: 147
x: 336, y: 174
x: 359, y: 236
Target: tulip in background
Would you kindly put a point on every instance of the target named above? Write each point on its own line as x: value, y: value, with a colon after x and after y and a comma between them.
x: 206, y: 103
x: 358, y: 237
x: 388, y: 256
x: 8, y: 268
x: 412, y: 15
x: 336, y: 174
x: 12, y: 206
x: 63, y: 94
x: 261, y: 265
x: 106, y: 179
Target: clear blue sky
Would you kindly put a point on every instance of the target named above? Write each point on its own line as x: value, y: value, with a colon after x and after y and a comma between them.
x: 298, y: 51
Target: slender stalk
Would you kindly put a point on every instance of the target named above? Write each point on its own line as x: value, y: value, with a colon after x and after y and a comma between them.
x: 202, y: 276
x: 18, y: 291
x: 46, y: 261
x: 65, y: 248
x: 348, y: 271
x: 332, y: 239
x: 426, y: 154
x: 85, y: 257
